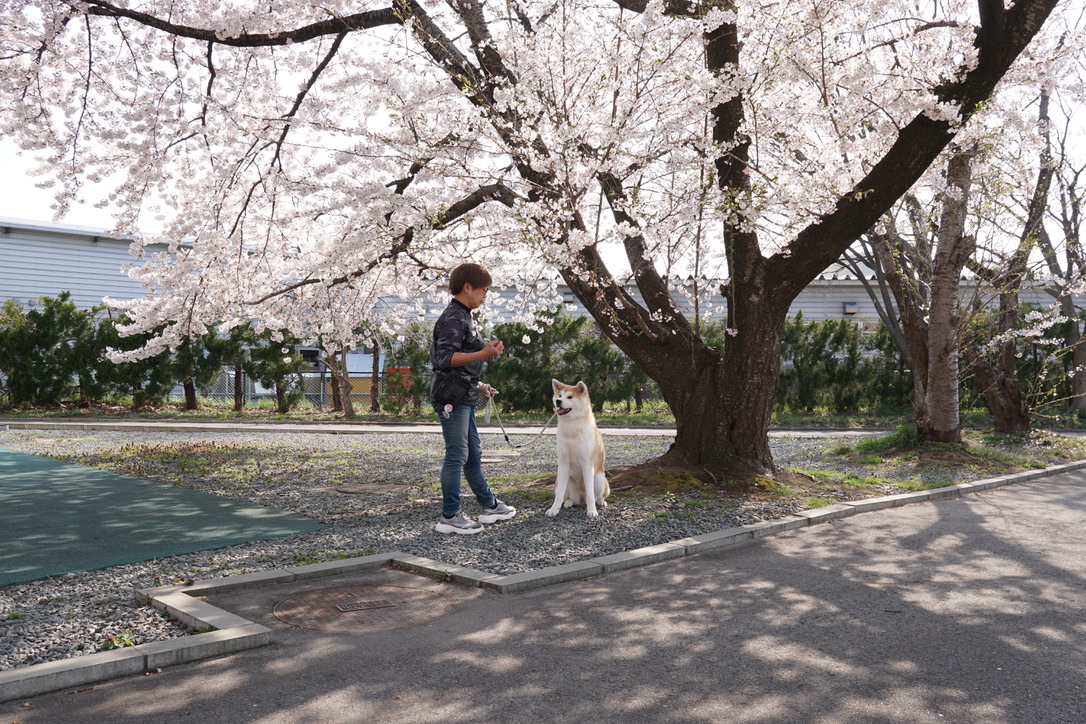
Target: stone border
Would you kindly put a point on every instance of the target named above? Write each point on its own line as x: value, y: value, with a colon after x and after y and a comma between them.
x: 225, y: 633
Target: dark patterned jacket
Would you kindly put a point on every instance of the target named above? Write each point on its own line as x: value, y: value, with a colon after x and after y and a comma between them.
x: 454, y: 331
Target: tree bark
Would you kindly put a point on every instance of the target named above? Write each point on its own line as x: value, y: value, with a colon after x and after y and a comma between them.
x: 1078, y: 360
x: 941, y: 421
x: 723, y: 403
x: 998, y: 372
x: 375, y: 378
x: 1006, y: 402
x: 341, y: 383
x: 191, y: 402
x: 239, y: 387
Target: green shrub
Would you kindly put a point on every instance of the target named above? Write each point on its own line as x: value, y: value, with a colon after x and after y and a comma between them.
x: 407, y: 370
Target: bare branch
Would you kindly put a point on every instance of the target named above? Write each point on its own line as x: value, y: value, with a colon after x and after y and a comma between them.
x: 917, y: 146
x: 493, y: 192
x: 332, y: 26
x: 304, y: 92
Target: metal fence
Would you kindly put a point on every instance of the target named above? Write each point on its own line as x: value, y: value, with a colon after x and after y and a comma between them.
x: 317, y: 388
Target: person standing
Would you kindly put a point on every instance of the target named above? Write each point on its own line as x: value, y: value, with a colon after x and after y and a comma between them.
x: 457, y: 358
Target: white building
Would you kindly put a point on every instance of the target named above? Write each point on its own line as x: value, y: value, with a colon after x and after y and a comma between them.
x: 43, y: 260
x: 40, y: 259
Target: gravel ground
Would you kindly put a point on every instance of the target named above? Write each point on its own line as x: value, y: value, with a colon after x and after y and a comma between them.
x: 83, y: 612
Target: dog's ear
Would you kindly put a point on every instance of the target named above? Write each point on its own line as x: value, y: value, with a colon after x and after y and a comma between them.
x: 582, y: 387
x: 555, y: 384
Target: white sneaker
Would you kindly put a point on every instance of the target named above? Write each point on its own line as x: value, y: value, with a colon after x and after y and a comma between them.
x: 500, y: 511
x: 459, y: 523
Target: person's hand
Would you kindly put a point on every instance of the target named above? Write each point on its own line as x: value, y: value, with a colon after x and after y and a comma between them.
x: 493, y: 348
x: 486, y: 391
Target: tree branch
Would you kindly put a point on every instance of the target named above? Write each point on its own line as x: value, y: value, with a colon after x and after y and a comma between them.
x: 918, y: 145
x: 671, y: 7
x: 332, y: 26
x: 303, y: 93
x: 493, y: 192
x: 652, y: 287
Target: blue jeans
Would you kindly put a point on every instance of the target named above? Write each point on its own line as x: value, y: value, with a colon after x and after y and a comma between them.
x: 463, y: 458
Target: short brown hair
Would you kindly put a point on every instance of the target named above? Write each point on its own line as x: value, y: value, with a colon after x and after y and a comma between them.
x: 474, y: 274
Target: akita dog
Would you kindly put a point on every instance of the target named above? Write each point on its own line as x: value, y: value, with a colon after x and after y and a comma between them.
x: 580, y: 452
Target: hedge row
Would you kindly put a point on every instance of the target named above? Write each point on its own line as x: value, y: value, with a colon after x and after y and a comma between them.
x: 55, y: 354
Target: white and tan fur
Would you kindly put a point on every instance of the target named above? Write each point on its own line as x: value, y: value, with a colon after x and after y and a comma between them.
x: 581, y: 455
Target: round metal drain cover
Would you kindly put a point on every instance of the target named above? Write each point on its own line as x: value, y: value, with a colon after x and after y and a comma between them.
x: 359, y: 609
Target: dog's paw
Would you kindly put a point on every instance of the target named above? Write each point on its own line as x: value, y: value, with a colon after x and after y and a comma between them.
x: 602, y: 503
x: 553, y: 511
x: 567, y: 503
x: 593, y: 514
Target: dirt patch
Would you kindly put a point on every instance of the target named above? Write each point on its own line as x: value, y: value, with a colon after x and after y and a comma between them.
x: 784, y: 485
x: 653, y: 481
x: 946, y: 455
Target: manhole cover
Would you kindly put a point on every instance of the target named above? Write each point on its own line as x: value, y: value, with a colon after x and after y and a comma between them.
x: 359, y: 609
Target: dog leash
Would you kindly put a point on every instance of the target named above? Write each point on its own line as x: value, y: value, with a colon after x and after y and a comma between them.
x: 491, y: 407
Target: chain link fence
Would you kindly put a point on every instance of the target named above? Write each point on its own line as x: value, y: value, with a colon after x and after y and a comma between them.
x: 316, y: 386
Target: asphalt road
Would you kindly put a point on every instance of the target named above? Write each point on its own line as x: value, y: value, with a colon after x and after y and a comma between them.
x: 966, y: 610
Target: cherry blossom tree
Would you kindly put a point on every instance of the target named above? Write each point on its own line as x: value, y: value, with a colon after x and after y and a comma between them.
x: 335, y: 156
x: 1064, y: 257
x: 983, y: 209
x: 994, y: 362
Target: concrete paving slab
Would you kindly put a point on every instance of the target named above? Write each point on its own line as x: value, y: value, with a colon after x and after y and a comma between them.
x: 70, y: 673
x: 543, y: 577
x: 640, y: 556
x: 830, y: 512
x: 717, y: 539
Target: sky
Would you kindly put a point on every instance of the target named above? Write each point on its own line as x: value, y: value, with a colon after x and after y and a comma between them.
x: 20, y: 199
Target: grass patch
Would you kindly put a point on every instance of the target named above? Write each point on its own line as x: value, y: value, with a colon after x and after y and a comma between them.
x: 902, y: 438
x: 924, y: 484
x: 865, y: 481
x: 653, y: 413
x: 911, y: 465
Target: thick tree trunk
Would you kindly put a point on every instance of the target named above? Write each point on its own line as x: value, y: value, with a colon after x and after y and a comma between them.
x: 375, y: 377
x: 190, y: 395
x: 940, y: 420
x: 728, y: 412
x: 722, y: 403
x: 341, y: 384
x: 281, y: 399
x: 239, y: 387
x: 1078, y: 373
x: 1007, y: 403
x: 722, y: 414
x: 1005, y: 396
x: 337, y: 404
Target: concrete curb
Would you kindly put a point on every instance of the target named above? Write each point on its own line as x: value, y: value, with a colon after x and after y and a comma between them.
x: 222, y: 632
